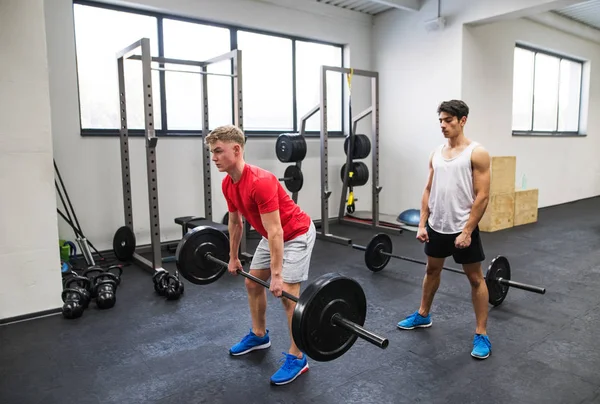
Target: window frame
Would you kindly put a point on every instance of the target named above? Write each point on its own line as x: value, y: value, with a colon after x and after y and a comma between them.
x: 556, y: 133
x: 233, y: 30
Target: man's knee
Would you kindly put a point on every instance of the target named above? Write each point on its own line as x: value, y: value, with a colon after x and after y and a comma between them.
x: 255, y: 287
x: 294, y: 290
x: 474, y: 274
x: 434, y: 266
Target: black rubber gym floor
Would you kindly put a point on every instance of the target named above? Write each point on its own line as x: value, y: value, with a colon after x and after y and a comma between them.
x: 149, y: 350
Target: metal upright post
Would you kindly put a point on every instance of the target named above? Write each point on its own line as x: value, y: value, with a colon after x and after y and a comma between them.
x: 206, y: 149
x: 151, y: 141
x: 375, y: 151
x: 125, y: 170
x: 325, y: 192
x: 238, y: 121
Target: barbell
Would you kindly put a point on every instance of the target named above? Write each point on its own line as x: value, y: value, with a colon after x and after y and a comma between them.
x: 329, y: 314
x: 379, y: 252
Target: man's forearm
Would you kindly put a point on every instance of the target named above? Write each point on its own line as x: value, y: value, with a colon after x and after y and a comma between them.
x: 235, y: 237
x: 477, y: 211
x: 424, y: 208
x: 276, y: 248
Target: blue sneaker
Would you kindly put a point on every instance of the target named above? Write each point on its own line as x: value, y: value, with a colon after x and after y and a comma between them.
x: 415, y: 320
x: 290, y: 370
x: 249, y: 343
x: 481, y: 346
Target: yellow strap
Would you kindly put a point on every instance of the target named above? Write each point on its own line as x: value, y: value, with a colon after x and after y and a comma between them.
x: 350, y: 78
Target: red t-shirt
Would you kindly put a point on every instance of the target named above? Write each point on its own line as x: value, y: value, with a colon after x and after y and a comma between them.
x: 258, y: 191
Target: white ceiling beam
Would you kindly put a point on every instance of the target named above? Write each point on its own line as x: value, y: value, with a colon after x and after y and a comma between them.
x: 407, y: 5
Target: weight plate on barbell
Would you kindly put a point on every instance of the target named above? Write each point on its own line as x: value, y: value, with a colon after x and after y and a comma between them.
x: 190, y: 256
x: 295, y: 184
x: 312, y: 327
x: 499, y: 268
x: 374, y: 260
x: 124, y: 243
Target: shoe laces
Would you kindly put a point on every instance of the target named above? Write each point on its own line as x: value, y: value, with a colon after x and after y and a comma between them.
x: 480, y: 339
x: 289, y: 361
x: 248, y: 337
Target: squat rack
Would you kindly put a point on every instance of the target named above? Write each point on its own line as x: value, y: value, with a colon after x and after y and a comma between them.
x: 151, y: 140
x: 373, y: 111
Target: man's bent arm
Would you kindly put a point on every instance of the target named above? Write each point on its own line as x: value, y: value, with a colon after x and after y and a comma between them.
x: 480, y: 161
x: 425, y: 198
x: 235, y: 227
x: 272, y: 223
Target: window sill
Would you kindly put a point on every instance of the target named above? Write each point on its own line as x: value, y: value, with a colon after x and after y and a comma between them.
x: 547, y: 134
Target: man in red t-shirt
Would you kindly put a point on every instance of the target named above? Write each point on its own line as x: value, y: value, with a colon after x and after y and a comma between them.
x: 284, y: 252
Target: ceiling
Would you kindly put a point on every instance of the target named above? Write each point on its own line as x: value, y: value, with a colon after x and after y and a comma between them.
x: 363, y: 6
x: 587, y: 12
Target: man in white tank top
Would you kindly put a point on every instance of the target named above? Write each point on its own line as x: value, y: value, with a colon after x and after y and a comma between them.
x: 454, y: 200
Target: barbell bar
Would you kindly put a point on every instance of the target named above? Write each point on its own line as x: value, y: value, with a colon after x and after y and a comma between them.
x: 328, y: 316
x: 379, y: 251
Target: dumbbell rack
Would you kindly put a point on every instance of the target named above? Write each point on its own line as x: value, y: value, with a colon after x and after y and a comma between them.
x: 127, y: 236
x: 372, y: 111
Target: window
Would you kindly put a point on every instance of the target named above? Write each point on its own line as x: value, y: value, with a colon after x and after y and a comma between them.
x: 280, y: 74
x: 309, y: 59
x: 183, y: 40
x: 546, y: 93
x: 267, y: 81
x: 97, y: 66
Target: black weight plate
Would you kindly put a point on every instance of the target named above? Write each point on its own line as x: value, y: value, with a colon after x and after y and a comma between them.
x: 190, y: 256
x: 312, y: 329
x: 499, y: 268
x: 295, y: 184
x: 124, y: 243
x: 362, y: 146
x: 360, y: 174
x: 373, y: 258
x: 290, y: 147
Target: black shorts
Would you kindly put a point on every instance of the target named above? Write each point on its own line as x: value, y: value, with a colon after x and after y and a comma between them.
x: 442, y: 246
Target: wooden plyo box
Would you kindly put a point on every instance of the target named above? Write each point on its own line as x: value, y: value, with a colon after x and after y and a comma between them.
x: 502, y: 174
x: 526, y: 206
x: 500, y: 212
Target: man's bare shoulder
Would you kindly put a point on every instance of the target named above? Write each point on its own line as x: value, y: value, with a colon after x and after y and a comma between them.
x: 480, y: 157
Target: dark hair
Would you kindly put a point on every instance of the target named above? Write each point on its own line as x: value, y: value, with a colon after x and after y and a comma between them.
x: 455, y: 108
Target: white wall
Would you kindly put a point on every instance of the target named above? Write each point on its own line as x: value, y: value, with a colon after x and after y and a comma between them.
x: 91, y: 166
x: 563, y: 169
x: 420, y: 69
x: 29, y: 258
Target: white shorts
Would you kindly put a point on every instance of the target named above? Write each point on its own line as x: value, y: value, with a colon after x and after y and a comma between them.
x: 296, y: 256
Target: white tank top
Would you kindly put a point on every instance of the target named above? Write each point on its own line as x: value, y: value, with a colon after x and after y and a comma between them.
x: 452, y: 194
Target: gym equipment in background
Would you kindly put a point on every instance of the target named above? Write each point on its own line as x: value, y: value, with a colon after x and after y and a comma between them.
x: 72, y: 220
x: 356, y: 168
x: 410, y: 217
x: 124, y: 241
x: 291, y: 148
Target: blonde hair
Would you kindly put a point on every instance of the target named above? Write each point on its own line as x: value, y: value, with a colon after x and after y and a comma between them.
x: 226, y: 133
